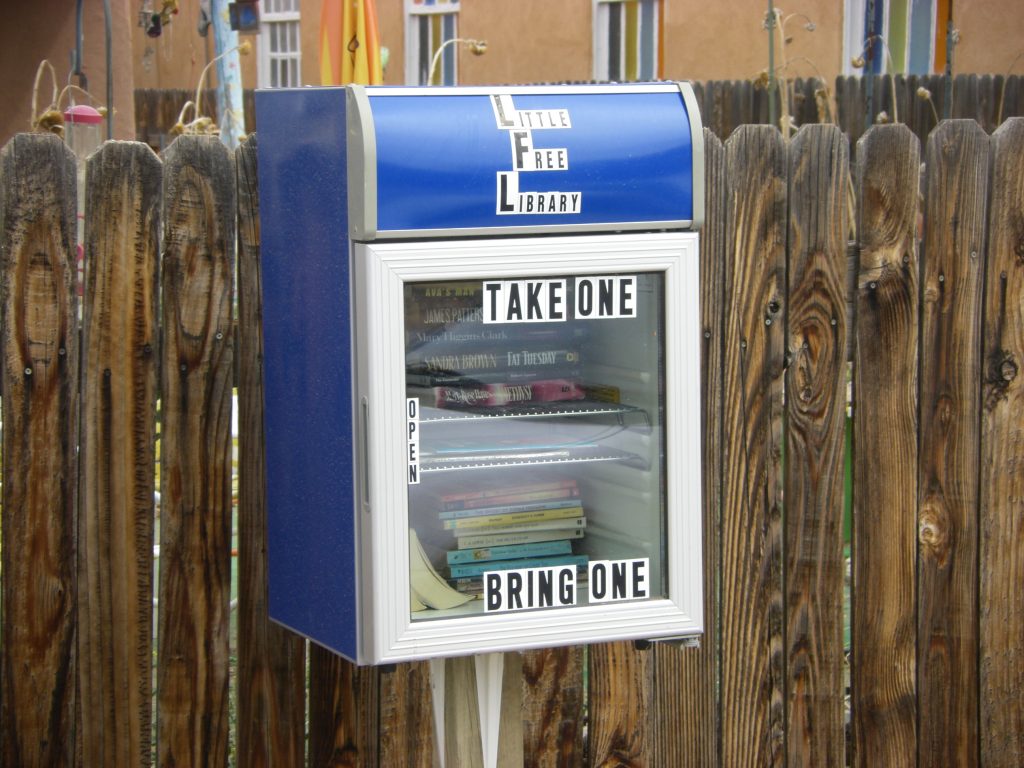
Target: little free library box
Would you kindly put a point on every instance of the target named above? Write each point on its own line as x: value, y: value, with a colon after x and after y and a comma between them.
x: 482, y: 365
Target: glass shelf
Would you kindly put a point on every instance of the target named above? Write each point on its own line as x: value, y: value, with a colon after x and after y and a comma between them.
x: 626, y: 415
x: 526, y: 456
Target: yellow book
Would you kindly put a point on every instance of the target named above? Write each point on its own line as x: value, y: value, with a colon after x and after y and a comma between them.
x: 427, y: 589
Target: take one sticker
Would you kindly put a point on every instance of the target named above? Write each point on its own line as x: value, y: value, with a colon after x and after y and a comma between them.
x: 547, y: 301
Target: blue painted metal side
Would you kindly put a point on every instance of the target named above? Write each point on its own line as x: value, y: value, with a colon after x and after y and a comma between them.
x: 630, y: 157
x: 308, y: 364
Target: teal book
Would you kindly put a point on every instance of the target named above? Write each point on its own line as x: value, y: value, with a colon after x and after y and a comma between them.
x: 511, y: 552
x: 477, y: 569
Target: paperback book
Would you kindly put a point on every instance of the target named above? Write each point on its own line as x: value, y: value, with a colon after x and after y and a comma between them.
x: 510, y: 552
x: 478, y: 569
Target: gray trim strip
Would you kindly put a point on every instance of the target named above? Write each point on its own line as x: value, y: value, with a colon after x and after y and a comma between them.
x: 516, y: 90
x: 599, y: 227
x: 697, y: 145
x: 361, y: 149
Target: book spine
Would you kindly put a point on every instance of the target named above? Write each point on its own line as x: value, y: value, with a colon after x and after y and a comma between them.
x: 510, y: 552
x: 566, y: 501
x: 504, y: 490
x: 476, y: 540
x: 470, y: 360
x: 513, y: 518
x: 478, y: 569
x: 530, y: 526
x: 545, y: 391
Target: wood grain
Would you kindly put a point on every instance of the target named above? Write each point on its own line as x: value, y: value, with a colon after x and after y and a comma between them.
x: 957, y: 161
x: 751, y: 624
x: 885, y: 461
x: 621, y: 683
x: 39, y: 383
x: 343, y: 725
x: 195, y: 516
x: 816, y: 416
x: 552, y: 707
x: 685, y: 696
x: 1002, y: 461
x: 271, y: 685
x: 407, y: 735
x: 462, y: 743
x: 120, y: 337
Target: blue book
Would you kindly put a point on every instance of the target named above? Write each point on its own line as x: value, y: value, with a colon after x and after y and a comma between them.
x: 510, y: 552
x: 478, y: 569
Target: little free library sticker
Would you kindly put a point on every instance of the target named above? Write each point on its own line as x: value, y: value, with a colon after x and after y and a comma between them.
x: 526, y: 157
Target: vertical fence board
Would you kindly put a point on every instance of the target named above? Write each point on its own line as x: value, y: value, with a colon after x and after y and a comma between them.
x: 1002, y: 480
x: 271, y: 660
x: 40, y: 413
x: 195, y: 518
x: 816, y: 409
x: 553, y: 707
x: 685, y: 712
x: 883, y: 629
x: 621, y: 680
x: 957, y: 159
x: 751, y: 537
x: 462, y: 743
x: 342, y: 711
x: 115, y: 536
x: 407, y: 735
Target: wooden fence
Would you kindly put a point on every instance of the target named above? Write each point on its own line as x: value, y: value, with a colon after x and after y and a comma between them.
x: 728, y: 104
x: 934, y: 669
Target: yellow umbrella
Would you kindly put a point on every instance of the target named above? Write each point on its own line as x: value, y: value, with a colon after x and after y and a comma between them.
x: 349, y: 44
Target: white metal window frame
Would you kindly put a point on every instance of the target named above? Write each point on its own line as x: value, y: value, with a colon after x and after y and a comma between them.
x: 279, y: 19
x: 388, y: 634
x: 414, y: 15
x: 648, y: 63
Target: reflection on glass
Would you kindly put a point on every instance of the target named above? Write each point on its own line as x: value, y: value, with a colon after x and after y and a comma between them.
x: 538, y: 476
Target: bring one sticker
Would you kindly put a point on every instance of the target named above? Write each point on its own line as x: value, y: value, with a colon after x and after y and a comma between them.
x: 557, y: 586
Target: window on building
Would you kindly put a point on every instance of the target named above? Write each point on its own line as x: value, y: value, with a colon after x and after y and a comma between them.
x: 280, y: 52
x: 429, y: 25
x: 626, y: 39
x: 912, y: 36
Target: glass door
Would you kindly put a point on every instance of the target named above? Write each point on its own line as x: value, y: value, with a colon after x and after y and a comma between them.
x: 540, y: 459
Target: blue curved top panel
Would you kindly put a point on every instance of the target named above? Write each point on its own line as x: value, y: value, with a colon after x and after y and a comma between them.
x: 450, y: 161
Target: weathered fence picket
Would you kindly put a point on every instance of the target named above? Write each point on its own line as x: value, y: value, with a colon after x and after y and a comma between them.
x: 935, y: 652
x: 271, y: 681
x: 195, y: 509
x: 120, y: 342
x: 883, y: 684
x: 40, y: 441
x: 957, y: 163
x: 1002, y: 444
x: 751, y: 608
x: 816, y: 417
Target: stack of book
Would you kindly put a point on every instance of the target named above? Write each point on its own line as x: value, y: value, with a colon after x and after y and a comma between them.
x: 506, y: 527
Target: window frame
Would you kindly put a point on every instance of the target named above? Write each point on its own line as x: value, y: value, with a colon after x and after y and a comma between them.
x: 274, y: 22
x: 648, y: 64
x: 420, y: 17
